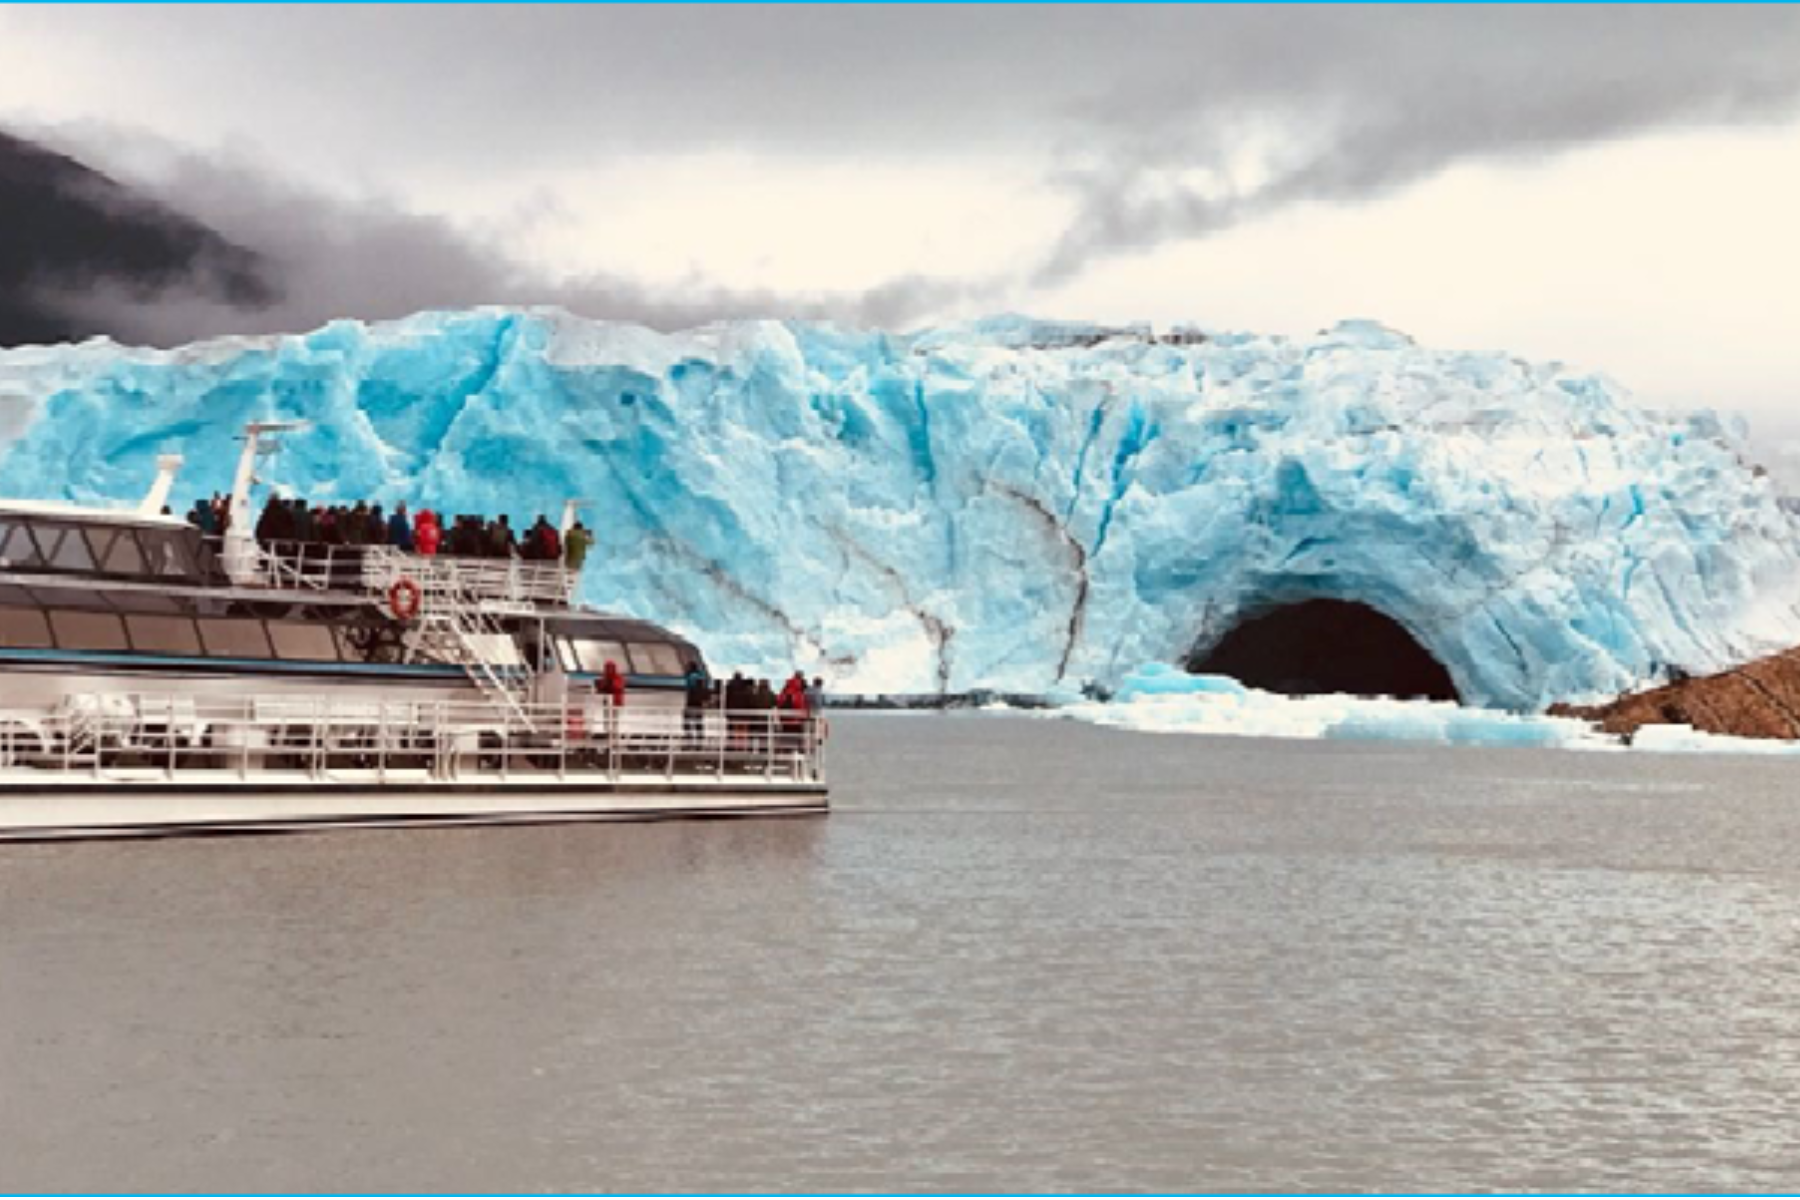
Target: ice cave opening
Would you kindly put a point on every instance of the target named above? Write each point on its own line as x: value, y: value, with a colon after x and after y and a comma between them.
x: 1321, y: 646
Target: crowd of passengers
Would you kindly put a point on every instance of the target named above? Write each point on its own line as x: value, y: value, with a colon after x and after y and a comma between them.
x: 363, y: 524
x: 741, y: 699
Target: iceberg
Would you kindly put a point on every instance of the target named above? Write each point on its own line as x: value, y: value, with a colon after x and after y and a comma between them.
x: 1012, y: 504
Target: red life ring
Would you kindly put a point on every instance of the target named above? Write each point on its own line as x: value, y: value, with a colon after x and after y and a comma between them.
x: 404, y: 599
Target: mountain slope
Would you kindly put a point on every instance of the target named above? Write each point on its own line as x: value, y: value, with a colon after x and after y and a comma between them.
x: 65, y: 229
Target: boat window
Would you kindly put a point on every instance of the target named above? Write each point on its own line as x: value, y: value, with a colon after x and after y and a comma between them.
x: 565, y: 654
x: 166, y: 552
x: 24, y: 628
x: 122, y: 556
x: 65, y: 549
x: 303, y: 640
x: 163, y: 635
x: 497, y: 648
x: 656, y: 658
x: 88, y: 631
x: 595, y: 654
x: 16, y: 547
x: 234, y: 637
x: 116, y: 551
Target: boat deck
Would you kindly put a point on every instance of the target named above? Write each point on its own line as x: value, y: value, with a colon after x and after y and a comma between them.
x: 115, y: 764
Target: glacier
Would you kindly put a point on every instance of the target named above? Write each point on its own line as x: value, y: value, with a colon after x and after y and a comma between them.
x: 1004, y: 503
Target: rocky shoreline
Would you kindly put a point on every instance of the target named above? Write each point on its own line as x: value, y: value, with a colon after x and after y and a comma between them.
x: 1760, y: 699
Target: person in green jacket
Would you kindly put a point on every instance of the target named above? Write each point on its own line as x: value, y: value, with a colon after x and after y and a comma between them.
x: 575, y: 546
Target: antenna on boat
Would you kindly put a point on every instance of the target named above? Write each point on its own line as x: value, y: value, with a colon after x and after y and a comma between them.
x: 570, y: 508
x: 158, y: 496
x: 240, y: 543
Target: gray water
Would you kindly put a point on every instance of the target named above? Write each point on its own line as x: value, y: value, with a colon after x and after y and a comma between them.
x: 1020, y: 955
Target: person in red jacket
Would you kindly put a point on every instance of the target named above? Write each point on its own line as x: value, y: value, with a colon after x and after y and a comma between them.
x: 792, y: 703
x: 611, y: 684
x: 427, y: 534
x: 611, y: 687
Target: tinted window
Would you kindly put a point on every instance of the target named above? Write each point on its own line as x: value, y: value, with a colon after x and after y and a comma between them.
x: 234, y: 638
x: 498, y: 648
x: 64, y: 549
x: 88, y: 631
x: 163, y: 635
x: 16, y: 546
x: 166, y: 552
x: 24, y: 628
x: 594, y: 655
x: 121, y: 557
x: 656, y: 658
x: 302, y: 641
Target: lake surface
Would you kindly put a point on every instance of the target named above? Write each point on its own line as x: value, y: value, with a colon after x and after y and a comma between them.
x: 1021, y: 954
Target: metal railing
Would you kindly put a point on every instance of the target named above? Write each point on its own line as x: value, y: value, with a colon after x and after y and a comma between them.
x: 316, y: 566
x: 321, y: 738
x: 519, y: 581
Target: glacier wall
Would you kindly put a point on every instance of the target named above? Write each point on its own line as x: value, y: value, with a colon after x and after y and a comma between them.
x: 1005, y: 503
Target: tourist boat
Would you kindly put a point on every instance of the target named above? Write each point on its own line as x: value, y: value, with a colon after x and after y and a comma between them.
x: 153, y: 680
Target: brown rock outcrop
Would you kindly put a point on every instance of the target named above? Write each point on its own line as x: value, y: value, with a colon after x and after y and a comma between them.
x: 1760, y: 699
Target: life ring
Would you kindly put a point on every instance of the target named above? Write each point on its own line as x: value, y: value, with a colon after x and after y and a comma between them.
x: 404, y: 599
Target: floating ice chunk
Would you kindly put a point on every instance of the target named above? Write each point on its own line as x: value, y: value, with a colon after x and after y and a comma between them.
x: 1158, y: 698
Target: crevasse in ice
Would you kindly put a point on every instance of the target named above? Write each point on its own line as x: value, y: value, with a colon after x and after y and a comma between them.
x: 1005, y: 503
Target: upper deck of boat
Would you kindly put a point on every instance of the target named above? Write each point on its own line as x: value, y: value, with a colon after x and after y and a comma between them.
x: 66, y: 545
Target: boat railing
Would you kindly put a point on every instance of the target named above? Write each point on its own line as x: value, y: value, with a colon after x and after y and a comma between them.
x: 317, y: 566
x: 463, y: 579
x: 139, y: 737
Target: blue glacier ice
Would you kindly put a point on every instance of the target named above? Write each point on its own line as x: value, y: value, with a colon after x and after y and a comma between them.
x: 1006, y: 503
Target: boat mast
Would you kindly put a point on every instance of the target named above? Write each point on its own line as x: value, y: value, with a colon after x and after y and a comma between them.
x: 240, y: 537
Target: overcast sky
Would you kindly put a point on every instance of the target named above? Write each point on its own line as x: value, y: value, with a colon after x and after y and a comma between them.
x: 1614, y: 187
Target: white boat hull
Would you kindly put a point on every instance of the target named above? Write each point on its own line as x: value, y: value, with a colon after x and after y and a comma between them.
x: 71, y: 808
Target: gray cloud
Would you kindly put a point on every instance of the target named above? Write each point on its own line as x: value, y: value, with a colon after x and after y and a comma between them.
x: 1402, y: 96
x: 327, y: 257
x: 1144, y: 115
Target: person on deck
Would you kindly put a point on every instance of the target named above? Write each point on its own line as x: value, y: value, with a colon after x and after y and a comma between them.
x: 427, y: 536
x: 399, y: 529
x: 815, y: 707
x: 377, y: 532
x: 792, y: 703
x: 739, y: 697
x: 699, y: 695
x: 576, y: 546
x: 762, y: 699
x: 542, y: 543
x: 265, y: 524
x: 502, y: 542
x: 303, y: 521
x: 353, y: 526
